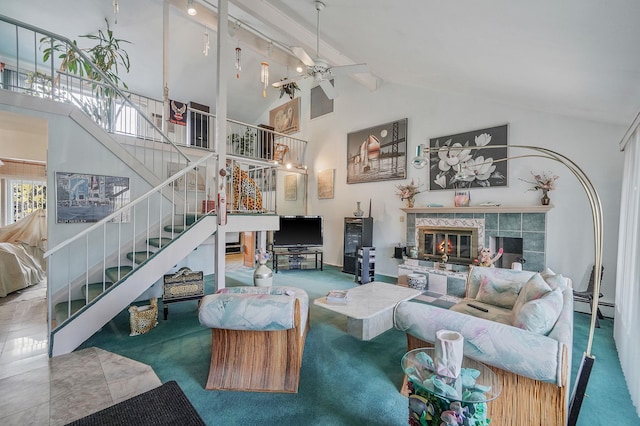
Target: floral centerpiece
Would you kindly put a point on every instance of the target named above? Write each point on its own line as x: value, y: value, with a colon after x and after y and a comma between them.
x: 408, y: 192
x: 262, y: 256
x: 544, y: 182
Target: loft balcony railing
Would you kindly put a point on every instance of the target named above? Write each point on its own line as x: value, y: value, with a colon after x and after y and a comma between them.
x: 25, y: 71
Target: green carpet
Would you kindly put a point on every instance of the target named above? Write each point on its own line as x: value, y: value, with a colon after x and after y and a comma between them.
x: 344, y: 381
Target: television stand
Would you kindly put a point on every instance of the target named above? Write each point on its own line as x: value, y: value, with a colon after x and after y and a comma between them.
x: 296, y: 258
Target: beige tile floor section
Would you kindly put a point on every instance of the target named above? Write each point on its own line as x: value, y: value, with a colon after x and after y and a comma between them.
x: 36, y: 390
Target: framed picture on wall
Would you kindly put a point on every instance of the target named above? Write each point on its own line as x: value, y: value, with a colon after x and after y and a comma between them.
x: 377, y: 153
x: 325, y: 184
x: 290, y: 187
x: 83, y: 198
x: 479, y: 169
x: 286, y: 118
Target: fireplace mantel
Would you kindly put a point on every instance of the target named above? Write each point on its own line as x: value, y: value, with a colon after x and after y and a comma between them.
x: 480, y: 209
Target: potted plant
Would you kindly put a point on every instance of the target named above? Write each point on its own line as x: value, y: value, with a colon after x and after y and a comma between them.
x: 289, y: 89
x: 107, y: 55
x: 243, y: 143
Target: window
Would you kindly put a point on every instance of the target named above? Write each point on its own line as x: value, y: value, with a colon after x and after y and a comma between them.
x: 25, y: 197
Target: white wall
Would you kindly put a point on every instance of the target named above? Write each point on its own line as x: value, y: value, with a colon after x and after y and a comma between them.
x: 592, y: 145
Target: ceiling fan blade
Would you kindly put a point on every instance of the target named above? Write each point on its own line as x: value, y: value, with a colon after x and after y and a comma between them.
x: 288, y: 80
x: 303, y: 56
x: 349, y: 69
x: 328, y: 88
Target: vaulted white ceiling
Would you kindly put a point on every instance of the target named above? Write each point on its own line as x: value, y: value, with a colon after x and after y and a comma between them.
x: 573, y: 57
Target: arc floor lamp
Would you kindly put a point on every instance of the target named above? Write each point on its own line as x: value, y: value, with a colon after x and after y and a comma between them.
x: 588, y: 359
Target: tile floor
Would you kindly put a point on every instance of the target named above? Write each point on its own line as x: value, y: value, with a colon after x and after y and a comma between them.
x: 37, y: 390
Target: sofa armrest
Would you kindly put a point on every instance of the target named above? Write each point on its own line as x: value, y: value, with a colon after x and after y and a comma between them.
x: 512, y: 349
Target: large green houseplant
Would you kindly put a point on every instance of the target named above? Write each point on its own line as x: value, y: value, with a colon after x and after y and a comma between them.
x: 107, y: 55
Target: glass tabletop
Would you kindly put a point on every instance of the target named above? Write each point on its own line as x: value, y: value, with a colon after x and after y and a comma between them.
x: 476, y: 382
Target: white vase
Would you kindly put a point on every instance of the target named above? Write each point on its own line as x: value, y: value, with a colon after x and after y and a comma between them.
x: 262, y: 276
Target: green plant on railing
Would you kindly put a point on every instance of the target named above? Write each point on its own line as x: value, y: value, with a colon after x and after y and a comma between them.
x: 243, y: 144
x: 107, y: 55
x: 39, y: 84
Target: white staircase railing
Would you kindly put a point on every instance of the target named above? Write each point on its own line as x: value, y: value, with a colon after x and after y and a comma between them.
x: 77, y: 267
x: 26, y: 71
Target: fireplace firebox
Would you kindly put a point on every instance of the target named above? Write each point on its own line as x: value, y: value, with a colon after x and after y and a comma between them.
x: 460, y: 244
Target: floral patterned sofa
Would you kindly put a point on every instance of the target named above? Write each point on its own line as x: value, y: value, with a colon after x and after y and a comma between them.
x: 524, y: 332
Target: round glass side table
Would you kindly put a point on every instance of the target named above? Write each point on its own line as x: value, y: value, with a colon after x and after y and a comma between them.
x: 436, y: 400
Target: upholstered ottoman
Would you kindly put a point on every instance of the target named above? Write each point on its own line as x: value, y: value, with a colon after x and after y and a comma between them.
x: 258, y: 336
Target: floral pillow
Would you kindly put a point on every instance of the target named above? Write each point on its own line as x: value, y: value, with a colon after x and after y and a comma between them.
x: 540, y: 315
x: 534, y: 289
x: 502, y: 294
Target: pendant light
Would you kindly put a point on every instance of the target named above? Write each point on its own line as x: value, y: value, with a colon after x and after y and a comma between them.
x: 238, y: 60
x: 264, y: 77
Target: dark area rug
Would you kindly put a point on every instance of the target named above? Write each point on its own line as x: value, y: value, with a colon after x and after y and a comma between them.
x: 164, y: 405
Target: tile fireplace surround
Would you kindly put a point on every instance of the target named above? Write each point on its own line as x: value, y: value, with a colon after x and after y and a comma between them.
x: 528, y: 223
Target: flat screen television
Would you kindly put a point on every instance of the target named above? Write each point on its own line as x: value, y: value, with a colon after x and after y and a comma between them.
x: 298, y: 232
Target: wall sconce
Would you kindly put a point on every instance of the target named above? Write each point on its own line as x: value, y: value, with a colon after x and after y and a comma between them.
x: 191, y: 8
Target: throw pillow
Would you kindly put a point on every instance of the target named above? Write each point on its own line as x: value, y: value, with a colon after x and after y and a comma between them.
x: 502, y: 294
x: 534, y: 289
x: 554, y: 280
x: 540, y: 315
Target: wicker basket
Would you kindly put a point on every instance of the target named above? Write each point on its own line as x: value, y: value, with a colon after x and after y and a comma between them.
x: 143, y: 318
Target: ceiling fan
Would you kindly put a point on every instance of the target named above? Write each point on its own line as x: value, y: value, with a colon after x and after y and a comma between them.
x: 318, y: 68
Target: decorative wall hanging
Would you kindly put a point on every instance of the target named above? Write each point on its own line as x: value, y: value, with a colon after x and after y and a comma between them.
x: 238, y: 61
x: 177, y: 113
x: 83, y: 198
x: 290, y: 187
x: 454, y: 166
x: 325, y: 184
x: 264, y: 77
x: 377, y: 153
x: 286, y: 118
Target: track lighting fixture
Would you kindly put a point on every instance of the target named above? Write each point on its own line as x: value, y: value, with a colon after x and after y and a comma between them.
x: 191, y: 8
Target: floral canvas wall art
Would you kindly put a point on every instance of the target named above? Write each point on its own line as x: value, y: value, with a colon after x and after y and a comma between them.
x: 454, y: 165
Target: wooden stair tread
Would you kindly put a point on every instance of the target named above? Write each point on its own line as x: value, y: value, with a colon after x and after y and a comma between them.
x: 115, y: 273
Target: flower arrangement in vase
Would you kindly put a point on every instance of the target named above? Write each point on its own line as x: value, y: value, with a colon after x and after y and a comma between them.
x: 408, y: 192
x: 544, y: 182
x: 262, y: 276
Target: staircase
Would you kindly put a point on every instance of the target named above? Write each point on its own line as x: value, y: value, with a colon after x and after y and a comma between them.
x: 96, y: 273
x: 116, y: 274
x: 104, y: 300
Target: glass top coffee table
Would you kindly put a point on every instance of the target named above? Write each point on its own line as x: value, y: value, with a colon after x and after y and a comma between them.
x: 436, y: 399
x: 369, y: 309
